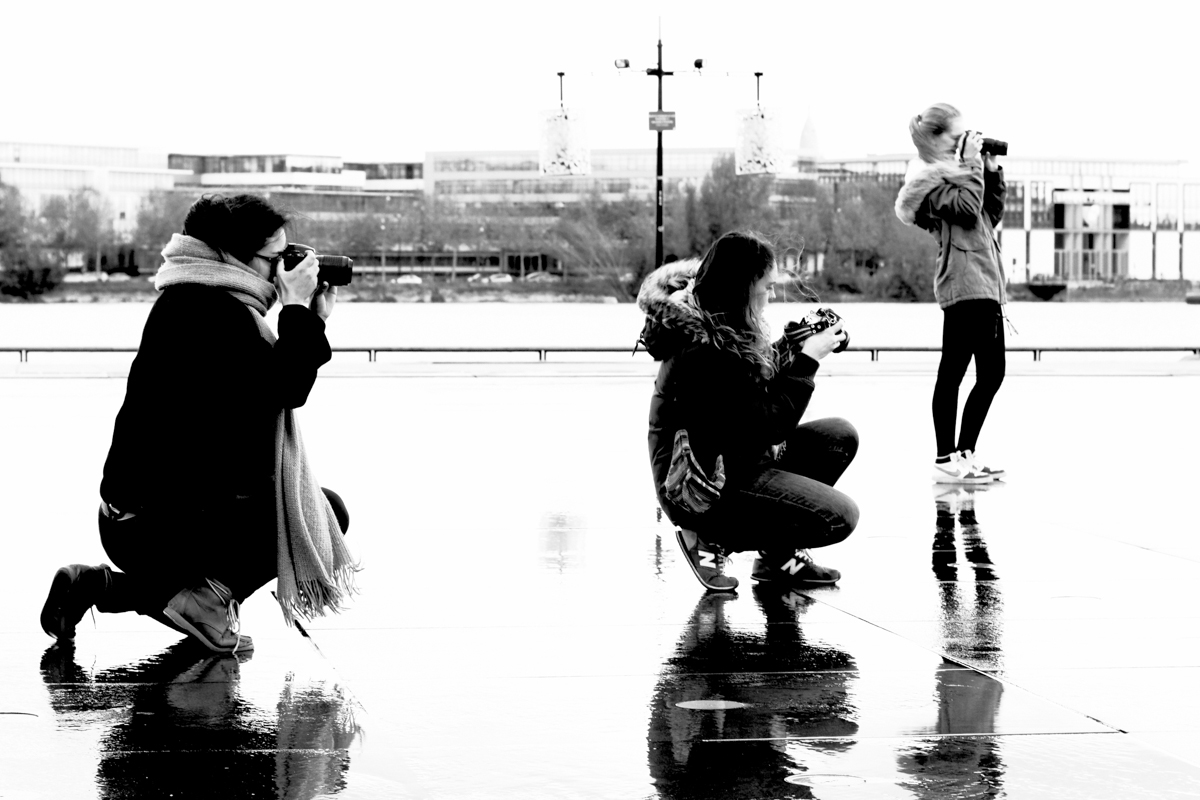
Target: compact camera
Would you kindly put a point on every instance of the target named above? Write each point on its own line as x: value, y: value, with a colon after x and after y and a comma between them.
x: 334, y: 270
x: 814, y: 322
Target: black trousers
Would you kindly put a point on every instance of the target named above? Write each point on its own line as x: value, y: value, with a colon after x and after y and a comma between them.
x: 970, y: 329
x: 161, y: 553
x: 790, y: 503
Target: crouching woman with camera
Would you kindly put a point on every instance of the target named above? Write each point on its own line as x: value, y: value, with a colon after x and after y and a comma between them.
x: 733, y: 466
x: 955, y: 191
x: 207, y: 494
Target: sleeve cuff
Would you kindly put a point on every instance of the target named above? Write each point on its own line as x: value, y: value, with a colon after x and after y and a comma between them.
x: 804, y: 366
x: 302, y: 316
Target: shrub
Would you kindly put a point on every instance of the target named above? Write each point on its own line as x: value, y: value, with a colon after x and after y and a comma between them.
x: 27, y: 273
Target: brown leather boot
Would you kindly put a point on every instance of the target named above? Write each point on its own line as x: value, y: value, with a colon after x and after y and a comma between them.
x: 210, y: 614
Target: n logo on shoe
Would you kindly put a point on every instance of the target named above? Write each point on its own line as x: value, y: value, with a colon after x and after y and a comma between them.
x: 707, y: 559
x: 793, y: 565
x: 795, y: 600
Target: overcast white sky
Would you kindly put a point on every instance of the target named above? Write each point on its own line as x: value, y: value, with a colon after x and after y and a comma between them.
x: 367, y: 79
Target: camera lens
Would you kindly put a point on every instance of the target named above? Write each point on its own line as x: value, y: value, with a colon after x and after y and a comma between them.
x: 994, y: 147
x: 335, y: 270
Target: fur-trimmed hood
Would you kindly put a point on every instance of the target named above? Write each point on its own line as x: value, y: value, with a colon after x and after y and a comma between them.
x: 674, y: 322
x: 920, y: 179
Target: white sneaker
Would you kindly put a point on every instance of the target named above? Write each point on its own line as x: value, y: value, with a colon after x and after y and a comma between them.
x: 958, y: 470
x: 970, y: 457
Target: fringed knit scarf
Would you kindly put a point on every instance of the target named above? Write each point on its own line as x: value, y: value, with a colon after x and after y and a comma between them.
x: 316, y: 572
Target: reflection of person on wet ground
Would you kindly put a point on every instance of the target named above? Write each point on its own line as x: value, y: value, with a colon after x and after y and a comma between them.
x: 207, y: 494
x: 727, y: 698
x: 971, y: 626
x: 176, y: 725
x: 965, y: 761
x: 740, y: 398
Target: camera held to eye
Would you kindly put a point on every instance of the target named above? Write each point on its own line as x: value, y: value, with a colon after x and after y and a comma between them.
x: 814, y: 322
x: 988, y: 147
x: 334, y: 270
x: 993, y: 147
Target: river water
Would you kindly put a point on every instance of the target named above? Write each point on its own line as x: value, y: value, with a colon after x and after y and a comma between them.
x: 513, y: 324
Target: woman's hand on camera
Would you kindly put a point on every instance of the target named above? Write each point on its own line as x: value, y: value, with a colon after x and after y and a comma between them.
x: 972, y: 146
x: 822, y: 344
x: 297, y: 285
x: 323, y: 300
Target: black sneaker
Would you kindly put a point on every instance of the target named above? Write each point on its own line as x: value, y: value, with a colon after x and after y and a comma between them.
x: 797, y: 567
x: 708, y: 563
x: 74, y: 590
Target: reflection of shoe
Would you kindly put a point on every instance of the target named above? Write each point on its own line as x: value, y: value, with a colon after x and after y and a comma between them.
x: 775, y: 598
x: 708, y: 563
x: 958, y: 470
x: 211, y: 615
x: 74, y: 590
x: 798, y: 567
x: 206, y: 689
x: 955, y: 495
x: 972, y: 459
x: 59, y: 665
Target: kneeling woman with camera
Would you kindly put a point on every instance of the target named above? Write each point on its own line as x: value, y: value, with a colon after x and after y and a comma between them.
x: 207, y: 494
x: 733, y: 467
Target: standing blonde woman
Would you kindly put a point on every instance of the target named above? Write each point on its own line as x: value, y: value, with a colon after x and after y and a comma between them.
x: 957, y: 194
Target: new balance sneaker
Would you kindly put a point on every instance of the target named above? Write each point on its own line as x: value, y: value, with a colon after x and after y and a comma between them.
x: 74, y: 590
x: 972, y: 459
x: 211, y: 615
x: 797, y: 567
x: 708, y: 563
x: 958, y: 470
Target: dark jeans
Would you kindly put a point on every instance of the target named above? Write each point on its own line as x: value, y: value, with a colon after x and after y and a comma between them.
x: 971, y: 328
x: 790, y: 503
x: 161, y: 553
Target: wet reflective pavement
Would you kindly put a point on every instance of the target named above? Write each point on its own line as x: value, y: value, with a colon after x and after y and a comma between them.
x: 526, y: 627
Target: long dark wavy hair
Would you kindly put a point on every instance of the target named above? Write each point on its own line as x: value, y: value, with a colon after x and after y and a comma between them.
x: 722, y: 290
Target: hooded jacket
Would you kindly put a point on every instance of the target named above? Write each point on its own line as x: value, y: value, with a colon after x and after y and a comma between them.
x: 960, y: 204
x: 708, y: 385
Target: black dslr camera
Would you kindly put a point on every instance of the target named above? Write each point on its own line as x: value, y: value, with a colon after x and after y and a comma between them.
x: 334, y: 270
x: 992, y: 147
x: 814, y: 322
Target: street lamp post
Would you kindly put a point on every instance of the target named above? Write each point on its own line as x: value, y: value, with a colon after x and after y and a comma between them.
x: 659, y: 122
x: 658, y: 165
x: 382, y: 247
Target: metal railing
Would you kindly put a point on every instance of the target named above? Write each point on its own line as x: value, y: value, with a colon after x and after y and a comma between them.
x: 543, y: 352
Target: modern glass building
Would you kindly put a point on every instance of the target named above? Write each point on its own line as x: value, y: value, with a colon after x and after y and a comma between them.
x: 1066, y: 220
x: 121, y: 175
x: 498, y: 177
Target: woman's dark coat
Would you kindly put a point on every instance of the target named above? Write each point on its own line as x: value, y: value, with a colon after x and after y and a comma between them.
x: 197, y: 427
x: 708, y: 387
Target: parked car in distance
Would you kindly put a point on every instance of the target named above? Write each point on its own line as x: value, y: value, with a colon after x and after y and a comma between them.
x: 542, y: 277
x: 415, y: 279
x: 498, y: 277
